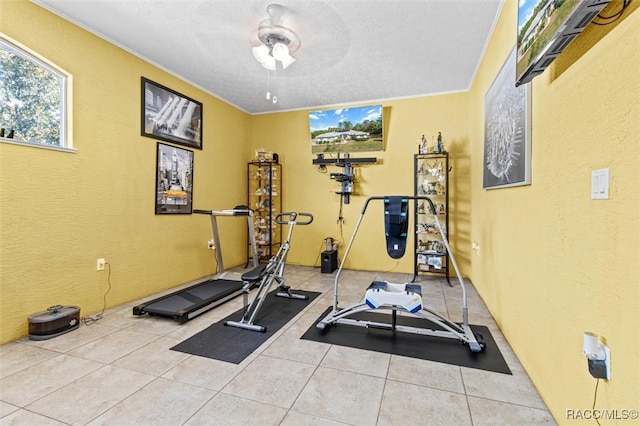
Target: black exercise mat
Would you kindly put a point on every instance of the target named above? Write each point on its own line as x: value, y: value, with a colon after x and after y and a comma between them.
x: 232, y: 344
x: 411, y: 345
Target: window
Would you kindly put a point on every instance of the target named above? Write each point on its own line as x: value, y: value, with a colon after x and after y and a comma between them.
x: 33, y: 99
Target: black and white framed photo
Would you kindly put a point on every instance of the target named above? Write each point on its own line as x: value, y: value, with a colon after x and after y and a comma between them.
x: 174, y: 180
x: 507, y: 130
x: 170, y: 116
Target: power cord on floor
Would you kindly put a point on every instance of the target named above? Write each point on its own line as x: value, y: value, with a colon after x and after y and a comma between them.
x: 92, y: 320
x: 595, y: 395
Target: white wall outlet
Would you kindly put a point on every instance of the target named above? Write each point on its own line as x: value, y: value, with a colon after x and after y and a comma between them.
x: 210, y: 245
x: 598, y: 356
x: 600, y: 184
x: 100, y: 264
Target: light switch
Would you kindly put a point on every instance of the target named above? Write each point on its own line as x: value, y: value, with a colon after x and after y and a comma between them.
x: 600, y: 184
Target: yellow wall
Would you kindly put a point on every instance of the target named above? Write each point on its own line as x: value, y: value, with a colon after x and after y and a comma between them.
x: 307, y: 189
x: 62, y: 211
x: 552, y: 262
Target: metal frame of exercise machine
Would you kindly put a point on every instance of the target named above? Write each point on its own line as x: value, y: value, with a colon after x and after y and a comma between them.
x: 406, y: 298
x: 267, y: 275
x: 188, y: 303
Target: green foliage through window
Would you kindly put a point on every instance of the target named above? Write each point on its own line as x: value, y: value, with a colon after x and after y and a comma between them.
x: 31, y: 98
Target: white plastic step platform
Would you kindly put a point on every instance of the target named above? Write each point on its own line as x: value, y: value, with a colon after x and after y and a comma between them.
x: 407, y: 296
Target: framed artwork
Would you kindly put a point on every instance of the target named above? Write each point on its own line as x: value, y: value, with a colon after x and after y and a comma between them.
x: 355, y: 129
x: 507, y: 130
x: 174, y: 180
x: 169, y: 116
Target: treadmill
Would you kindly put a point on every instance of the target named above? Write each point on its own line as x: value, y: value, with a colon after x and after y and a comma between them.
x: 188, y: 303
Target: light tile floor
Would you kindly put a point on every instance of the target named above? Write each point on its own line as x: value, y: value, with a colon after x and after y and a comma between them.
x: 120, y: 371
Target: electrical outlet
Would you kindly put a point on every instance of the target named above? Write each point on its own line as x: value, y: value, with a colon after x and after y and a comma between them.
x: 601, y: 369
x: 100, y: 264
x: 210, y: 245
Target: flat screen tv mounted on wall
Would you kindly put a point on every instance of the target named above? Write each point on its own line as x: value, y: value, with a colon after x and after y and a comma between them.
x: 352, y: 129
x: 545, y: 28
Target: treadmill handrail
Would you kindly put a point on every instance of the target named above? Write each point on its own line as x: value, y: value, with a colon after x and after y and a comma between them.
x: 237, y: 211
x: 228, y: 212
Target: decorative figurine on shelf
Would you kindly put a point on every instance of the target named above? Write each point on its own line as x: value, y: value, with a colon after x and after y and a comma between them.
x: 439, y: 148
x: 261, y: 155
x: 431, y: 168
x: 431, y: 228
x: 271, y: 174
x: 423, y: 148
x: 431, y: 188
x: 272, y: 189
x: 263, y: 238
x: 260, y: 222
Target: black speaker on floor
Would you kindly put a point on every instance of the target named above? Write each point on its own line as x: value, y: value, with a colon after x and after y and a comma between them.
x: 329, y: 261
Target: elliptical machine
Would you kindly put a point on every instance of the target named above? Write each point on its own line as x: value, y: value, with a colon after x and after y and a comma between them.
x: 267, y: 275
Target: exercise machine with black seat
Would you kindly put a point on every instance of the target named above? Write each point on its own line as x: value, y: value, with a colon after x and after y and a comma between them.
x: 405, y: 298
x: 187, y: 303
x: 269, y: 274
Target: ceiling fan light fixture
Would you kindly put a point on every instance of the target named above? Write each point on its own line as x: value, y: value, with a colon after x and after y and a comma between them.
x: 286, y: 61
x: 261, y: 53
x: 280, y: 51
x: 269, y: 63
x: 278, y: 42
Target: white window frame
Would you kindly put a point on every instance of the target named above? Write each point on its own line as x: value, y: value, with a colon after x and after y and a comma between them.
x: 66, y: 139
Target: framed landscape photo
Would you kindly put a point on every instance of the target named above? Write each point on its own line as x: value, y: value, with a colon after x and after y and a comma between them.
x: 174, y: 180
x: 170, y: 116
x: 355, y: 129
x: 507, y: 130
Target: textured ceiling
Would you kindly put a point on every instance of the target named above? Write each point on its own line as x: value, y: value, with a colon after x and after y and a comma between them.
x: 352, y: 51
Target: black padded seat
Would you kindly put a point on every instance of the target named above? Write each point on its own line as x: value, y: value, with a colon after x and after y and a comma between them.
x: 254, y: 275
